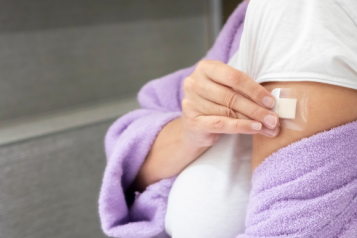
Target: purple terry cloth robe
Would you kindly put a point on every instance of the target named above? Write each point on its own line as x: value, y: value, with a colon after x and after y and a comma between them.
x: 307, y: 189
x: 130, y: 138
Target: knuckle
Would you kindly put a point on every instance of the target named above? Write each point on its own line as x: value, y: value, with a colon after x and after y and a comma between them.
x: 241, y: 116
x: 254, y: 91
x: 230, y: 99
x: 186, y: 104
x: 217, y: 124
x: 235, y: 77
x: 222, y: 111
x: 254, y: 112
x: 238, y: 125
x: 188, y: 84
x: 189, y: 109
x: 202, y: 64
x: 232, y: 114
x: 227, y: 112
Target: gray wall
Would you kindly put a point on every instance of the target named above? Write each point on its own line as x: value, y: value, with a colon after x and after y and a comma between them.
x: 50, y: 185
x: 58, y: 54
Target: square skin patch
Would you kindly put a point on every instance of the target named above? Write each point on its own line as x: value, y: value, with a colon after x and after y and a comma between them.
x: 287, y: 108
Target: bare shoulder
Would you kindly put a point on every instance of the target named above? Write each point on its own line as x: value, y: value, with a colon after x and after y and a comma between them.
x: 329, y: 106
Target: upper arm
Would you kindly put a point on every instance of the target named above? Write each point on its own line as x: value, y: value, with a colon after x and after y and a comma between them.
x: 329, y: 106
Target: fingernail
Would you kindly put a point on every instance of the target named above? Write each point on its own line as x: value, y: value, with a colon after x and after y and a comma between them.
x: 268, y: 102
x: 271, y: 132
x: 256, y: 126
x: 270, y: 121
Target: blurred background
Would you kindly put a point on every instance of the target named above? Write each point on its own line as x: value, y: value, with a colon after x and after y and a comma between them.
x: 68, y: 69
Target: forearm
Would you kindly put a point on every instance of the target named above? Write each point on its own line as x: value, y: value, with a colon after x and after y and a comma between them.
x: 168, y: 156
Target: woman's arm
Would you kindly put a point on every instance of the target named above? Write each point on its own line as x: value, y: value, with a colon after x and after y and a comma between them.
x: 130, y: 138
x: 167, y: 157
x: 217, y: 99
x: 329, y: 106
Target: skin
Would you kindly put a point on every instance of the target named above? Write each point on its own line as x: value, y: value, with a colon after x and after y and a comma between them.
x: 329, y: 106
x: 217, y: 99
x: 183, y: 140
x: 210, y: 108
x: 206, y: 115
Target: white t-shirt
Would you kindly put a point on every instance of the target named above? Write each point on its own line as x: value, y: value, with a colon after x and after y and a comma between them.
x: 209, y: 198
x: 283, y: 40
x: 305, y: 40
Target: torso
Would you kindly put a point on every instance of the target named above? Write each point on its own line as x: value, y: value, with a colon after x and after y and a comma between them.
x: 209, y: 198
x: 212, y: 189
x: 217, y: 184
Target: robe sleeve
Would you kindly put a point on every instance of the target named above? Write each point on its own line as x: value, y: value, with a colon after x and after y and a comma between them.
x: 130, y: 138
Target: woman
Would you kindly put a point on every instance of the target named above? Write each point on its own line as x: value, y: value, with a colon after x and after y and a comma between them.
x: 234, y: 104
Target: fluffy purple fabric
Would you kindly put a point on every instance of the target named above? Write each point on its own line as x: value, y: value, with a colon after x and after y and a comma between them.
x: 130, y: 138
x: 307, y: 189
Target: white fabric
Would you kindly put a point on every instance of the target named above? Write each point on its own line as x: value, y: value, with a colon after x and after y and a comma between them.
x: 210, y: 196
x: 283, y: 40
x: 305, y: 40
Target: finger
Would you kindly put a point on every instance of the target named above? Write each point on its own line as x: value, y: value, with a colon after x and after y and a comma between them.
x: 270, y: 132
x: 193, y: 108
x: 226, y: 125
x: 238, y: 81
x: 208, y: 108
x: 229, y: 98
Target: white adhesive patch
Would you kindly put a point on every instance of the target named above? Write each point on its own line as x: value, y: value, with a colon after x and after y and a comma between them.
x: 287, y: 108
x: 291, y: 107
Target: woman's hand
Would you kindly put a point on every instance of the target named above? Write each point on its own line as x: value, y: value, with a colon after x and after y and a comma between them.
x: 220, y: 99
